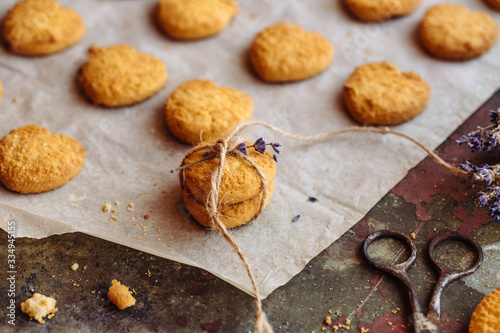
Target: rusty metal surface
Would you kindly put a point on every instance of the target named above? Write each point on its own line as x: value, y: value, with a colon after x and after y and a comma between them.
x: 337, y: 283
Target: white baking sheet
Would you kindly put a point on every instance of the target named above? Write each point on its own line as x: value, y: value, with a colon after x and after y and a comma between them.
x: 130, y: 152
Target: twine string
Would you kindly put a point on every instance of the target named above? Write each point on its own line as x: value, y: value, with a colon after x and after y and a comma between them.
x: 228, y: 146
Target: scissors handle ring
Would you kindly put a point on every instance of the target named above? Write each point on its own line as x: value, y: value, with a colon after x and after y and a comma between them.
x: 394, y: 269
x: 465, y: 239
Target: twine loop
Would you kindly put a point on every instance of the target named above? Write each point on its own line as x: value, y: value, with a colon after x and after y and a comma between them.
x: 228, y: 146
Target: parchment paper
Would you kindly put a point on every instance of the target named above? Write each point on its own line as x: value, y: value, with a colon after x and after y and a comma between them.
x: 130, y: 152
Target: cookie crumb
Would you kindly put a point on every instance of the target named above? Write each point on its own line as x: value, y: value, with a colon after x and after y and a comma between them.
x: 328, y: 320
x: 130, y: 206
x: 412, y: 235
x: 39, y: 306
x: 120, y: 296
x: 106, y: 207
x: 74, y: 266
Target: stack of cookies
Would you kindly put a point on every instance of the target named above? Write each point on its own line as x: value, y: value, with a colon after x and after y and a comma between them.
x: 240, y: 191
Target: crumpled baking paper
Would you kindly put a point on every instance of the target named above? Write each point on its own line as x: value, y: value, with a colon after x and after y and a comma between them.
x: 130, y: 152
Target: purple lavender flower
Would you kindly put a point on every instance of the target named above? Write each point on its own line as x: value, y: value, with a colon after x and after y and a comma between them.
x: 484, y: 139
x: 494, y: 116
x: 242, y: 148
x: 205, y: 154
x: 487, y: 140
x: 275, y: 158
x: 296, y: 218
x: 495, y: 210
x: 313, y: 199
x: 260, y: 145
x: 483, y: 199
x: 275, y: 146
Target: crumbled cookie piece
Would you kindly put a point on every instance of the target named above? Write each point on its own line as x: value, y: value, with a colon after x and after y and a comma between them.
x: 120, y: 296
x: 39, y: 306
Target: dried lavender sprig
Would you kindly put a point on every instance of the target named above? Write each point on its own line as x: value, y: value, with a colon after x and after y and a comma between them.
x: 491, y: 195
x: 259, y: 145
x: 484, y: 139
x: 485, y: 173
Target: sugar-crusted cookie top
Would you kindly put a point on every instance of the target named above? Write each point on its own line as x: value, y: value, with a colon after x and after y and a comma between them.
x: 193, y: 19
x: 33, y: 160
x: 378, y: 93
x: 240, y: 181
x: 40, y: 27
x: 452, y: 31
x: 486, y: 316
x: 286, y: 52
x: 119, y: 75
x: 200, y: 108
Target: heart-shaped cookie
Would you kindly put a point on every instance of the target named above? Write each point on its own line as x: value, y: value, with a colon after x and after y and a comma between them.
x: 41, y: 27
x: 377, y: 10
x: 119, y: 75
x: 32, y: 160
x: 378, y: 93
x: 199, y: 109
x: 453, y: 32
x: 286, y: 52
x: 195, y: 19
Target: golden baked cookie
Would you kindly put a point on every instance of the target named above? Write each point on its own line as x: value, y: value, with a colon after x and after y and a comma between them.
x: 453, y: 32
x: 494, y: 3
x: 286, y: 52
x: 118, y: 75
x: 231, y: 215
x: 32, y: 160
x: 240, y: 181
x: 195, y: 19
x: 41, y: 27
x: 378, y: 93
x: 120, y: 296
x: 240, y: 191
x: 486, y: 316
x: 378, y: 10
x: 200, y: 110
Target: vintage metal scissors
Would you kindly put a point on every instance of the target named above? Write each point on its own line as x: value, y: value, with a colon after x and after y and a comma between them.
x: 421, y: 323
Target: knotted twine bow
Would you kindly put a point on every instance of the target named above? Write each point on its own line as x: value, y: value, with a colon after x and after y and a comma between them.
x: 228, y: 146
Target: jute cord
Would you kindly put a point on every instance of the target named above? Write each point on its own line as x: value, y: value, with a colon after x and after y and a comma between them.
x: 228, y: 146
